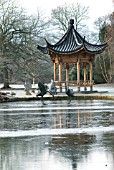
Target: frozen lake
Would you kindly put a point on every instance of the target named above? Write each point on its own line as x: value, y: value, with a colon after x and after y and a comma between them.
x: 79, y: 136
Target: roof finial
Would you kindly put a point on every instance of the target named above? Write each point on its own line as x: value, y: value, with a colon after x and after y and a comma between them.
x: 71, y: 22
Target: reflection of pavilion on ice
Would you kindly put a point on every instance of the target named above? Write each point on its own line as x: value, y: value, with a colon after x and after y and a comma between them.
x: 73, y: 50
x: 70, y: 120
x: 70, y: 147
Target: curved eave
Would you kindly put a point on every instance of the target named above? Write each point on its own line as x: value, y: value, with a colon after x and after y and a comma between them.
x: 43, y: 50
x: 66, y: 52
x: 94, y: 49
x: 65, y: 49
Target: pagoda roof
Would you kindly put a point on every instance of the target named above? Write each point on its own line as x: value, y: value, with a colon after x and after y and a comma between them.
x: 72, y: 42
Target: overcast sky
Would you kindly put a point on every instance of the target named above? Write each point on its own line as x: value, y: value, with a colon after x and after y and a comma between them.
x: 97, y: 8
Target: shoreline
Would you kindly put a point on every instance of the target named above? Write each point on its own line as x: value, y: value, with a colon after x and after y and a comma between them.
x: 100, y: 92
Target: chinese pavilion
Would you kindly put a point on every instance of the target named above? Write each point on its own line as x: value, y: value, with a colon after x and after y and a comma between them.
x: 72, y: 48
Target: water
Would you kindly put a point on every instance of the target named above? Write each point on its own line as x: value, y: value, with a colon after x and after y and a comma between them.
x: 79, y: 136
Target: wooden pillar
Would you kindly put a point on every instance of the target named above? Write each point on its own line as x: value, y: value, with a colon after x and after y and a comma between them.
x: 78, y: 74
x: 67, y: 76
x: 85, y: 83
x: 60, y: 76
x: 91, y: 78
x: 54, y: 65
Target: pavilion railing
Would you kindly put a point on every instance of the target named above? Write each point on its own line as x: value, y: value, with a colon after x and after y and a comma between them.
x: 73, y: 83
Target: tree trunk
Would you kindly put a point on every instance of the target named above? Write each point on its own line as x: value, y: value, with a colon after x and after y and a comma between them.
x: 5, y: 77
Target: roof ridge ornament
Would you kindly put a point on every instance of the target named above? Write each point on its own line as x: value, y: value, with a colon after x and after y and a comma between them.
x: 71, y: 22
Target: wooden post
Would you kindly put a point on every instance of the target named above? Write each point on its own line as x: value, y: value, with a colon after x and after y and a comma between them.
x: 85, y: 88
x: 91, y: 79
x: 60, y: 76
x: 78, y: 74
x: 67, y: 76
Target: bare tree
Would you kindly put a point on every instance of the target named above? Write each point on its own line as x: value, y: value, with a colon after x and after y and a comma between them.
x: 62, y: 14
x: 18, y: 40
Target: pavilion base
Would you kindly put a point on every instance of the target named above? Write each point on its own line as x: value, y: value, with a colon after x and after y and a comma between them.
x: 89, y: 92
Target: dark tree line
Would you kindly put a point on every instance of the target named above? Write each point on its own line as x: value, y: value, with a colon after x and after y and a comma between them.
x: 104, y: 63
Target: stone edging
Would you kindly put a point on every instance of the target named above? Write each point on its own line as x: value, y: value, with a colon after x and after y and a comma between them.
x: 79, y: 97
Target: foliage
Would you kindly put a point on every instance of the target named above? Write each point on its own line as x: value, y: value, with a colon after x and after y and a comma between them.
x: 98, y: 77
x: 102, y: 33
x: 105, y: 61
x: 73, y: 74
